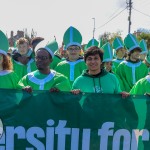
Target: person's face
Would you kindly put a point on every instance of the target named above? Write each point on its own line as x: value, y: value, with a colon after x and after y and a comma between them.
x: 23, y: 48
x: 121, y: 52
x: 93, y: 62
x: 135, y: 55
x: 73, y: 52
x: 1, y: 59
x: 42, y: 59
x: 64, y: 54
x: 108, y: 65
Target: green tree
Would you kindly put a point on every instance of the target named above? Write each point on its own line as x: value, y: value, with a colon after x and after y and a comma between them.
x: 109, y: 37
x: 146, y: 37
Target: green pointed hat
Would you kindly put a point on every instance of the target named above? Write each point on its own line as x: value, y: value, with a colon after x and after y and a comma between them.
x: 108, y: 54
x: 143, y: 46
x: 101, y: 43
x: 72, y: 37
x: 4, y: 44
x: 92, y: 42
x: 51, y: 47
x: 117, y: 43
x: 131, y: 42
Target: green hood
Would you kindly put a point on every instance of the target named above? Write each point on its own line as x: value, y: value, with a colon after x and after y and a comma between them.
x: 103, y: 72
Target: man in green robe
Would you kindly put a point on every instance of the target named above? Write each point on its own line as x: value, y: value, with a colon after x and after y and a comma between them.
x: 95, y: 79
x: 73, y: 66
x: 44, y: 78
x: 132, y: 69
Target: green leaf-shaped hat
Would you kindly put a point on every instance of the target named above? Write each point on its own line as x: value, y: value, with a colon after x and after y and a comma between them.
x: 4, y: 44
x: 72, y: 37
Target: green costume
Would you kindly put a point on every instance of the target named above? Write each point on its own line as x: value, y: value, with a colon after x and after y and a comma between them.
x: 117, y: 45
x: 55, y: 62
x: 8, y: 80
x: 21, y: 69
x: 104, y: 82
x: 130, y: 73
x: 116, y: 63
x: 71, y: 69
x: 142, y: 86
x: 39, y: 81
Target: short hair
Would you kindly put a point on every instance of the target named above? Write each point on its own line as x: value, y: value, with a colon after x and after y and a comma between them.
x: 93, y: 50
x: 135, y: 49
x: 22, y: 41
x: 7, y: 64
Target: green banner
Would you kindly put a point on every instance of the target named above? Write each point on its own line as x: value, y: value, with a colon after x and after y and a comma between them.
x: 63, y: 121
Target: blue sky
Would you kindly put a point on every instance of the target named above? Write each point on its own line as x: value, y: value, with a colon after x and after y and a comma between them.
x: 53, y: 17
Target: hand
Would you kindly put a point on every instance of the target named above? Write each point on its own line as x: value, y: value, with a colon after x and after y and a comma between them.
x: 147, y: 94
x: 125, y: 94
x: 54, y: 90
x: 75, y: 91
x: 28, y: 89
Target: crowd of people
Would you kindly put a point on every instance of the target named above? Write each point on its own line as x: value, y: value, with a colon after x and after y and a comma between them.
x: 118, y: 68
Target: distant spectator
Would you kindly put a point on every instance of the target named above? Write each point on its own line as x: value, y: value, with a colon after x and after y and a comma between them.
x: 23, y: 58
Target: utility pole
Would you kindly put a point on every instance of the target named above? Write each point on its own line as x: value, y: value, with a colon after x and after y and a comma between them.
x: 94, y: 28
x: 129, y: 6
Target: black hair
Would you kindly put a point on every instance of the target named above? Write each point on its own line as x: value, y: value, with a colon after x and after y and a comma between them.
x: 93, y: 50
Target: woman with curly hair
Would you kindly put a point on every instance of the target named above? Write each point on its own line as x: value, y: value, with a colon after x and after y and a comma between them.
x: 8, y: 79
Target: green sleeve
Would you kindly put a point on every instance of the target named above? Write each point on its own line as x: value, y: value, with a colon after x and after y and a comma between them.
x: 120, y: 73
x: 138, y: 88
x: 23, y: 82
x: 15, y: 81
x: 62, y: 83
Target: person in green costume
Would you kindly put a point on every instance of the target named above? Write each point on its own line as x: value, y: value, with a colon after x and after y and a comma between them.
x: 57, y: 56
x: 44, y: 78
x: 119, y: 51
x: 144, y: 49
x: 132, y: 69
x: 142, y: 86
x: 95, y: 79
x: 73, y: 66
x: 8, y: 79
x: 108, y: 57
x: 23, y: 58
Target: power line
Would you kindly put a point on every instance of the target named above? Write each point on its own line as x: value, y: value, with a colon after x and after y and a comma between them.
x: 111, y: 18
x: 141, y: 12
x: 114, y: 13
